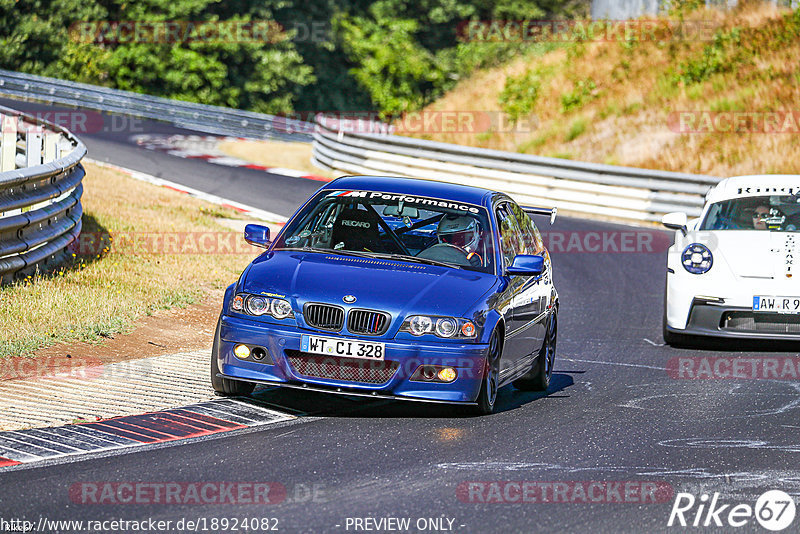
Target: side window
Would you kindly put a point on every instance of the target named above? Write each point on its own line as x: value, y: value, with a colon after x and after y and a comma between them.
x: 530, y: 234
x: 511, y: 242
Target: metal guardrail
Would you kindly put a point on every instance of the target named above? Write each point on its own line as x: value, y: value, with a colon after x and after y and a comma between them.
x: 40, y: 192
x: 203, y: 118
x: 578, y: 187
x: 583, y: 188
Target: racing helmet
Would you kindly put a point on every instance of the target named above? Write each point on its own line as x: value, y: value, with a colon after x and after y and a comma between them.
x: 461, y: 231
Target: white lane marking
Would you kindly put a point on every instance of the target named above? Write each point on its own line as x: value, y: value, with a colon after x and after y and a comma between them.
x: 32, y: 439
x: 613, y: 363
x: 654, y: 343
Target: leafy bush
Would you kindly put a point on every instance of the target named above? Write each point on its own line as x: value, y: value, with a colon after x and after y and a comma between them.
x: 392, y: 55
x: 520, y: 93
x: 714, y: 58
x: 583, y: 91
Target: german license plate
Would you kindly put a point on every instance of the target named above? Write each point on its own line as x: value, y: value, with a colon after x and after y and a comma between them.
x: 345, y: 348
x: 776, y: 304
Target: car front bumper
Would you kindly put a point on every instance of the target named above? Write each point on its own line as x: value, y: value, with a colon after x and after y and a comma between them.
x: 286, y: 366
x: 729, y: 321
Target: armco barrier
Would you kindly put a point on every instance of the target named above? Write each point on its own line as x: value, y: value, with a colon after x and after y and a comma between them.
x: 583, y: 188
x: 203, y: 118
x: 40, y: 192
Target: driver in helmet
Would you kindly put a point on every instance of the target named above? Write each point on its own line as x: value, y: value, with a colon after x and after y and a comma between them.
x: 462, y: 232
x: 760, y: 216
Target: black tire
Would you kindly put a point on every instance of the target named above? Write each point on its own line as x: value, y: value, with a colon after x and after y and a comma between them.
x: 225, y: 386
x: 538, y: 378
x: 487, y: 397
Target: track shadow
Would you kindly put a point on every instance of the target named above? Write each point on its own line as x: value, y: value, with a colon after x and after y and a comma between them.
x: 92, y: 245
x: 318, y: 404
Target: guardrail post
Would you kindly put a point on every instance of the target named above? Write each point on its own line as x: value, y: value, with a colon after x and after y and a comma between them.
x: 8, y: 143
x: 64, y: 147
x: 51, y: 147
x: 33, y: 149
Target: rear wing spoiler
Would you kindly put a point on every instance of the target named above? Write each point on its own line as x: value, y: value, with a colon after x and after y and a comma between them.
x: 552, y: 212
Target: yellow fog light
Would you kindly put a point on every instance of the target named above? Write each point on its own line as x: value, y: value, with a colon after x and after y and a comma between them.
x: 448, y: 374
x: 241, y: 351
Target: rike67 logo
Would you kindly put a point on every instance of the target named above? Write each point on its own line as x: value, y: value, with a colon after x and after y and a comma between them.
x: 774, y: 510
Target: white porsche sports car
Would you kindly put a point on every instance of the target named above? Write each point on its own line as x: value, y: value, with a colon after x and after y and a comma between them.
x: 731, y: 273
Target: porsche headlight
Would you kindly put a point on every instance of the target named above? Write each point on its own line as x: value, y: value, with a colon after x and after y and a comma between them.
x: 697, y: 259
x: 444, y: 327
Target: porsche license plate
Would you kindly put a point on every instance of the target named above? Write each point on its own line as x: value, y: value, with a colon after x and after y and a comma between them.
x: 776, y: 304
x: 345, y: 348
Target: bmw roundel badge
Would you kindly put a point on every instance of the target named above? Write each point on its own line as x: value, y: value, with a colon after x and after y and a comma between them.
x: 349, y: 299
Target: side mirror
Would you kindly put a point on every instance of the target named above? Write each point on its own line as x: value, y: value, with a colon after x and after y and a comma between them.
x: 675, y: 221
x: 257, y: 235
x: 526, y: 265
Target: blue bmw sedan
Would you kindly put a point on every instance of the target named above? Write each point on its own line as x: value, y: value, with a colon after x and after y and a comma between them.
x: 394, y: 288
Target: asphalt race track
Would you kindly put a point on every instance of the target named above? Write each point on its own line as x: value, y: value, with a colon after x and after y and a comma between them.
x: 112, y: 144
x: 613, y: 414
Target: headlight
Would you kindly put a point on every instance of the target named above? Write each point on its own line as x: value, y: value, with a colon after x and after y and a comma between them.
x: 445, y: 327
x: 697, y: 259
x: 280, y: 309
x: 419, y: 324
x: 258, y: 305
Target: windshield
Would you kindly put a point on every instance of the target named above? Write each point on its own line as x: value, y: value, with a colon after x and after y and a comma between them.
x: 379, y: 224
x: 776, y: 213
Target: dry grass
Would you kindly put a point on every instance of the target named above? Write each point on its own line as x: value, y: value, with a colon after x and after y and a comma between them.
x: 288, y: 155
x: 99, y: 295
x: 625, y: 119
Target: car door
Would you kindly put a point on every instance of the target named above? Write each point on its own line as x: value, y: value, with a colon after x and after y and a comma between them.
x: 531, y: 302
x: 511, y: 244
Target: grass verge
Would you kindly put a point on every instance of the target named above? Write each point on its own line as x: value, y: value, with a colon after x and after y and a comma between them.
x: 103, y: 290
x: 288, y: 155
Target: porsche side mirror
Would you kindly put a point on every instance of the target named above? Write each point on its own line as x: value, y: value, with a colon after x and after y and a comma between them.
x: 675, y: 221
x: 526, y: 265
x: 257, y: 235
